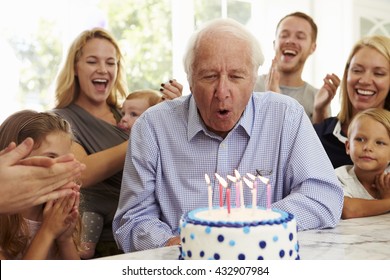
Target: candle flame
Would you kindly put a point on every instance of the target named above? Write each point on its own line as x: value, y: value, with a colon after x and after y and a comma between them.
x: 263, y: 179
x: 251, y: 176
x: 221, y: 180
x: 207, y: 178
x: 237, y: 174
x: 232, y: 178
x: 248, y: 182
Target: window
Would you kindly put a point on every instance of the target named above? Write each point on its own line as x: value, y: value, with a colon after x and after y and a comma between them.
x: 153, y: 36
x: 33, y: 44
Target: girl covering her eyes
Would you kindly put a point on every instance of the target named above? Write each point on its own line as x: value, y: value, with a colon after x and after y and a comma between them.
x: 50, y: 230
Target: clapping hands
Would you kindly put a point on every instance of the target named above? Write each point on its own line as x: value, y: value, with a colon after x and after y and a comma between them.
x: 34, y: 180
x: 327, y: 92
x: 273, y: 77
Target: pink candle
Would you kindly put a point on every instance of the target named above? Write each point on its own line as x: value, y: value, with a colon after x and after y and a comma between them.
x: 228, y: 199
x: 222, y: 184
x: 220, y: 195
x: 237, y: 186
x: 237, y: 195
x: 241, y: 192
x: 254, y: 203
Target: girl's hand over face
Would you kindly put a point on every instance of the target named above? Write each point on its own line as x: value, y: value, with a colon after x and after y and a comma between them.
x: 60, y: 215
x: 71, y: 220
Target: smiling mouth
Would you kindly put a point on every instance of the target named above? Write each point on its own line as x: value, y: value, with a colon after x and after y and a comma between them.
x: 365, y: 92
x: 289, y: 53
x: 100, y: 84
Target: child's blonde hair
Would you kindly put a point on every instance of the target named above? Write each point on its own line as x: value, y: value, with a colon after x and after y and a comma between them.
x: 152, y: 96
x: 14, y: 233
x: 378, y: 114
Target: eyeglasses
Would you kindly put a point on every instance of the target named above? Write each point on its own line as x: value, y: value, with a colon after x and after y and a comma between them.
x: 263, y: 172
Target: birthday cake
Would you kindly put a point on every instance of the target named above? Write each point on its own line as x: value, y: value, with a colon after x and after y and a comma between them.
x: 242, y: 233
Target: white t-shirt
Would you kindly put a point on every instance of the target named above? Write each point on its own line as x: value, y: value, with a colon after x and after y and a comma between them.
x: 304, y: 94
x: 351, y: 184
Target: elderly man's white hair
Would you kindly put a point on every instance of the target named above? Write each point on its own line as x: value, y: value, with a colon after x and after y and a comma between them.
x: 218, y: 26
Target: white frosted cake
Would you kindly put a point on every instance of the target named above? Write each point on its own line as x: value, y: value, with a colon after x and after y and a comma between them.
x: 244, y: 233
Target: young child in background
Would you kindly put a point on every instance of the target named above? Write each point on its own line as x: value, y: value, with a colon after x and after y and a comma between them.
x: 135, y: 104
x: 46, y: 231
x: 366, y: 183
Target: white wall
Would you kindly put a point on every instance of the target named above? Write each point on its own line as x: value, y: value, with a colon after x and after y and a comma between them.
x: 334, y: 40
x: 338, y: 30
x: 338, y: 22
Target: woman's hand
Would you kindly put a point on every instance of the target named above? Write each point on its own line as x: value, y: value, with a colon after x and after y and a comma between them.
x: 171, y: 90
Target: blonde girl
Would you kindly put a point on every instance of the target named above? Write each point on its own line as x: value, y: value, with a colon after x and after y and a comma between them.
x: 50, y: 230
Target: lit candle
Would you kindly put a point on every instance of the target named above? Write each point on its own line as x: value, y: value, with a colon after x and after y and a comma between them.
x: 251, y: 176
x: 268, y: 196
x: 239, y: 180
x: 228, y: 199
x: 254, y: 189
x: 249, y: 183
x: 237, y: 186
x: 234, y: 181
x: 222, y: 183
x: 220, y: 196
x: 209, y: 190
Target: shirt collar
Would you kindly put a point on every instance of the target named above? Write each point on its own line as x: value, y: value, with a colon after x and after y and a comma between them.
x: 195, y: 122
x: 337, y: 133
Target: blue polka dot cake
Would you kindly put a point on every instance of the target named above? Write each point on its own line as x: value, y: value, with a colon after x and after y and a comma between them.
x: 243, y: 233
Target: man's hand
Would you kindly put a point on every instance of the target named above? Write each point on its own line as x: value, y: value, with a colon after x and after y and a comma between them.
x: 30, y: 182
x: 273, y: 77
x: 173, y: 241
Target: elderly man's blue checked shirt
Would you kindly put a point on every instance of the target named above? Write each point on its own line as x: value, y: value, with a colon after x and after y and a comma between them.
x: 170, y: 151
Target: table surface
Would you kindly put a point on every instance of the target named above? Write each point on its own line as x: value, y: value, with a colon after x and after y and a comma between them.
x: 353, y: 239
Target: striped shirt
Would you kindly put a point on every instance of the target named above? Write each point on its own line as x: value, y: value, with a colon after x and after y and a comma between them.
x: 170, y: 151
